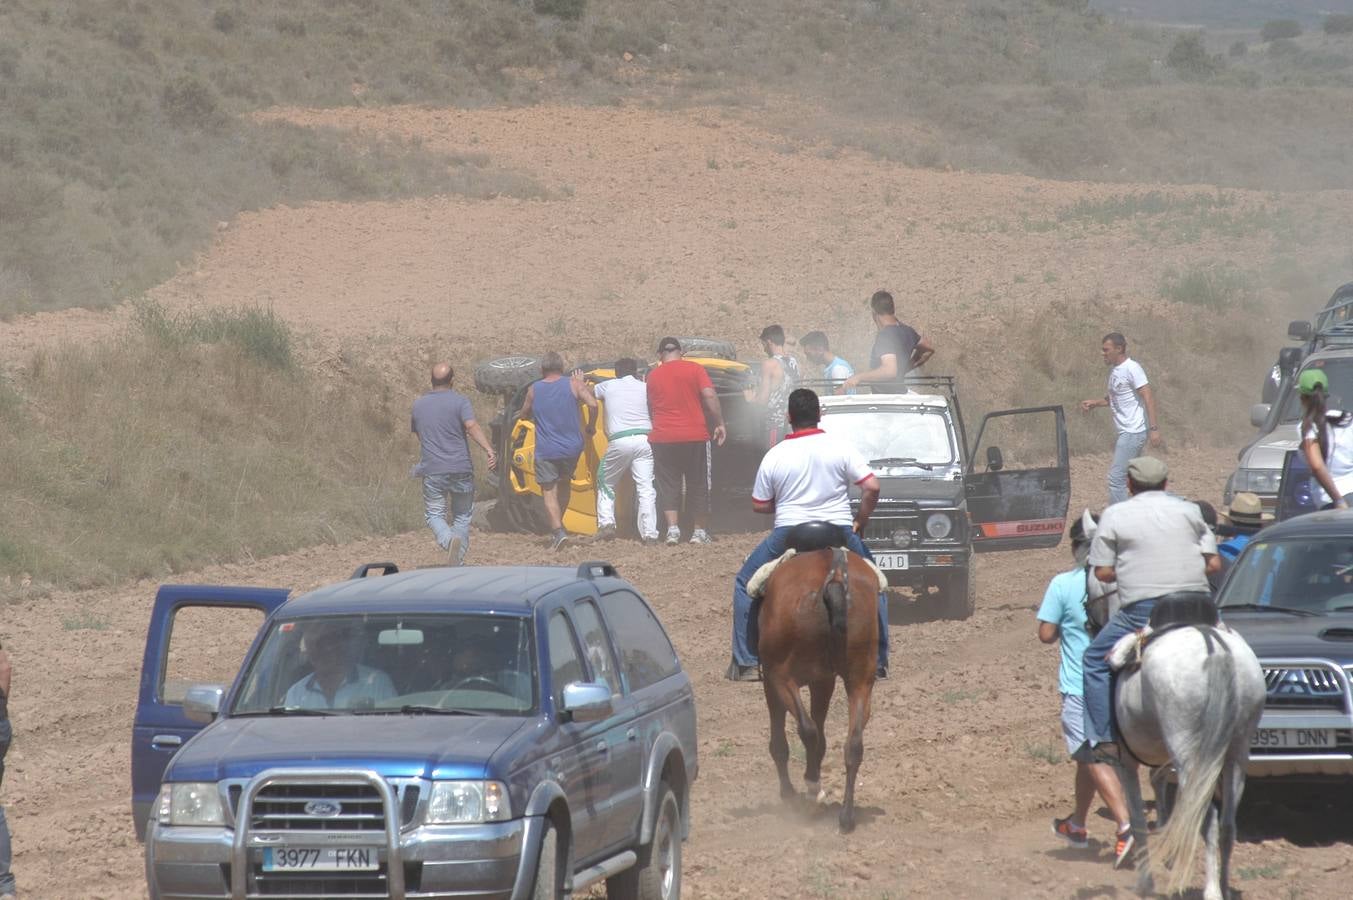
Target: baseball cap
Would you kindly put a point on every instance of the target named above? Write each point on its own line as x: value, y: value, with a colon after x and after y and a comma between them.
x: 1148, y: 471
x: 1312, y: 380
x: 668, y: 344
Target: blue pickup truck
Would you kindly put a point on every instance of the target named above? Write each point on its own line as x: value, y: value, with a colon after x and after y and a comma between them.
x: 504, y: 732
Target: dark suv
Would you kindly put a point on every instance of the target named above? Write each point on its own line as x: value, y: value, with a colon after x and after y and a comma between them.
x: 470, y: 733
x: 1290, y: 594
x: 940, y: 501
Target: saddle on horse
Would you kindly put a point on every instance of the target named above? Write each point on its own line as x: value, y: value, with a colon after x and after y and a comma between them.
x: 805, y: 538
x: 1181, y: 609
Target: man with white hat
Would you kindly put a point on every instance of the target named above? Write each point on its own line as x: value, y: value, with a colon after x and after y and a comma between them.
x: 1244, y: 518
x: 1150, y: 545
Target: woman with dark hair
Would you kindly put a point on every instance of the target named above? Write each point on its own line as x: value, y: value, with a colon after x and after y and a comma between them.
x: 1326, y: 439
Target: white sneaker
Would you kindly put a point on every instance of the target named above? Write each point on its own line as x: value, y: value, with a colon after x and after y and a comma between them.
x: 673, y: 536
x: 700, y: 536
x: 453, y: 555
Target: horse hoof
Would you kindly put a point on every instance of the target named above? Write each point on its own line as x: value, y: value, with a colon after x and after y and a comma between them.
x: 847, y: 823
x: 813, y: 792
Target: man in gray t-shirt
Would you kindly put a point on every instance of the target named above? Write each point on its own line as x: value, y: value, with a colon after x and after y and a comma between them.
x: 1151, y: 545
x: 443, y: 420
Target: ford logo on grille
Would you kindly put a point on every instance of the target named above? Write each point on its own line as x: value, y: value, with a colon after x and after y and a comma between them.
x: 323, y: 809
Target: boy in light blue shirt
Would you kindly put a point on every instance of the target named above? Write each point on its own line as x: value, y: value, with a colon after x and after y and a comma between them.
x: 1062, y: 617
x: 834, y: 369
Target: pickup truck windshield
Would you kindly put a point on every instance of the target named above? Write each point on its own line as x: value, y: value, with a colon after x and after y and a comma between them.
x: 374, y: 664
x: 1311, y: 576
x: 917, y: 434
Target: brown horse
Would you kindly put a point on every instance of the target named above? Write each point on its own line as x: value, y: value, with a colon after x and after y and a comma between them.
x: 818, y: 620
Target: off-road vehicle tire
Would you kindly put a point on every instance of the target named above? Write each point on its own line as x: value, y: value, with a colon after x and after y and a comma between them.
x: 547, y: 879
x: 958, y: 595
x: 506, y: 375
x: 657, y: 875
x: 708, y: 347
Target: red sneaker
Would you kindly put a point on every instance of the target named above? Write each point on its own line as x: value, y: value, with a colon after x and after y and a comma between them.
x: 1076, y: 837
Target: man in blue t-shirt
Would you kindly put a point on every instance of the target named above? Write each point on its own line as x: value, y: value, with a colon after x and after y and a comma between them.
x: 1062, y: 616
x: 443, y: 419
x: 552, y: 403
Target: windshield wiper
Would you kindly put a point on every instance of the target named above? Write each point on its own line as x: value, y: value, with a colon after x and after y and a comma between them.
x: 290, y: 711
x: 434, y: 710
x: 1264, y: 607
x: 901, y: 461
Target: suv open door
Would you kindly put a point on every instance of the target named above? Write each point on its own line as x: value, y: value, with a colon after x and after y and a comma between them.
x: 1018, y: 481
x: 197, y: 634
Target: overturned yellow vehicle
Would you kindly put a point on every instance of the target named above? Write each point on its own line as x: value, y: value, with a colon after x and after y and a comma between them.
x: 519, y: 507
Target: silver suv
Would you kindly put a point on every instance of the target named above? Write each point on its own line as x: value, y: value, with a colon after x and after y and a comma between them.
x: 1327, y: 345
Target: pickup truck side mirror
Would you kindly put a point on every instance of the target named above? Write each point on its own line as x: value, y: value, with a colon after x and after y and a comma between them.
x: 1288, y: 359
x: 995, y: 461
x: 585, y: 702
x: 1259, y: 414
x: 1299, y: 330
x: 202, y: 702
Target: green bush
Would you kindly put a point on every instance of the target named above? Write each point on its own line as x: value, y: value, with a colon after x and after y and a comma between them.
x: 1216, y: 287
x: 190, y: 103
x: 1238, y: 49
x: 1338, y: 23
x: 571, y: 10
x: 258, y: 334
x: 1277, y: 29
x: 1190, y: 59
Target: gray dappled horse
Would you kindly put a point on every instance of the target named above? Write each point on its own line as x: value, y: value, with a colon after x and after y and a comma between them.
x: 1192, y: 703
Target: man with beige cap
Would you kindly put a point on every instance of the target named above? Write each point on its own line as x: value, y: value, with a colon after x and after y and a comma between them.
x: 1150, y: 545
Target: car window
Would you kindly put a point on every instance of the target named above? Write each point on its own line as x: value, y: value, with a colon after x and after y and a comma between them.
x: 1312, y: 574
x: 1338, y: 370
x: 598, y: 648
x: 646, y: 653
x: 883, y: 432
x: 383, y: 663
x: 565, y: 664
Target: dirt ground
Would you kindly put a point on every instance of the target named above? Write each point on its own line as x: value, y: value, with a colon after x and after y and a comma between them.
x: 658, y: 223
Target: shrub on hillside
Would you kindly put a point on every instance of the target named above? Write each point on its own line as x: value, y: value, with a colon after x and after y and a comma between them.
x: 564, y: 9
x: 1190, y: 59
x: 1277, y: 29
x: 1338, y: 23
x: 1238, y: 49
x: 190, y: 103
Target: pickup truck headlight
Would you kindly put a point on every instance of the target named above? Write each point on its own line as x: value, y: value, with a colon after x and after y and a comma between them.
x: 464, y: 802
x: 939, y: 526
x: 1256, y: 481
x: 190, y: 803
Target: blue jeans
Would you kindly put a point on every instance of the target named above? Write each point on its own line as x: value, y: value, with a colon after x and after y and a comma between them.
x: 1128, y: 448
x: 459, y: 486
x: 1098, y: 678
x: 773, y: 547
x: 6, y: 855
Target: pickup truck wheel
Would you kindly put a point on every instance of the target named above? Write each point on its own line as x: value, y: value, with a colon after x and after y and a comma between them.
x: 708, y: 347
x: 657, y: 875
x: 547, y: 866
x: 506, y: 375
x: 960, y: 595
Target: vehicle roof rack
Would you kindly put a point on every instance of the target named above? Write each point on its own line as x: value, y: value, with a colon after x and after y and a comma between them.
x: 596, y: 569
x: 1334, y: 324
x: 365, y: 569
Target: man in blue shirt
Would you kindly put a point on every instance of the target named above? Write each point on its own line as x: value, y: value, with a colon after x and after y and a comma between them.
x: 1062, y: 616
x: 834, y: 369
x: 552, y: 403
x: 1245, y: 517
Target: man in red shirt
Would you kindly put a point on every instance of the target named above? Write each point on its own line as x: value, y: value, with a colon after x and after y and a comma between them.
x: 681, y: 401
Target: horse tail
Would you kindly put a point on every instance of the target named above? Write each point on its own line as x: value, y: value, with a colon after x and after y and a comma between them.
x: 1177, y: 845
x: 836, y: 596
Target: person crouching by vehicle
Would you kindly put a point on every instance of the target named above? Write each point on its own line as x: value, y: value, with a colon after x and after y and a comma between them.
x: 552, y: 403
x: 1326, y: 440
x: 625, y: 409
x: 1150, y: 545
x: 1244, y: 518
x: 805, y: 478
x: 1062, y: 617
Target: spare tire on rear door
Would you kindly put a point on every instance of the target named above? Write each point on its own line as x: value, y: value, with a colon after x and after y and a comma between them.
x: 506, y: 374
x: 708, y: 347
